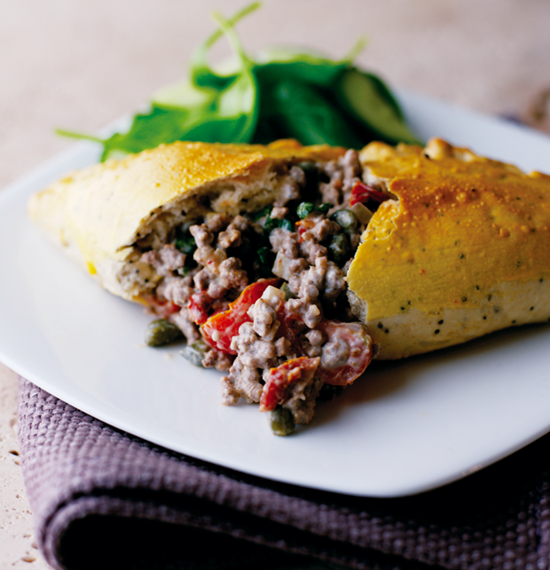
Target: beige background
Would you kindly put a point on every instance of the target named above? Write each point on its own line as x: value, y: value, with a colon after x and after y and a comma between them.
x: 79, y: 64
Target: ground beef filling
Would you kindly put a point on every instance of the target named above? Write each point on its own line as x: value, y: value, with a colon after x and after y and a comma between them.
x: 297, y: 333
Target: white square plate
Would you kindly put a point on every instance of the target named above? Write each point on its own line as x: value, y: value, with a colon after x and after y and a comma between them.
x: 405, y: 427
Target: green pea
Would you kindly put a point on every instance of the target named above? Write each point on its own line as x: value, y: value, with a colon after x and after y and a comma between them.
x: 271, y: 223
x: 161, y: 332
x: 285, y: 288
x: 186, y: 244
x: 195, y: 352
x: 339, y: 249
x: 347, y: 220
x: 304, y: 209
x: 286, y: 225
x: 281, y: 421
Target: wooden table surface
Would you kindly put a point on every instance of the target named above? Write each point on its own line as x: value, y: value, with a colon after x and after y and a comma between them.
x: 79, y: 65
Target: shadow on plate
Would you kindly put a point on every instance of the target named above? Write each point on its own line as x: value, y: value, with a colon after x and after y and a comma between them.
x: 385, y: 378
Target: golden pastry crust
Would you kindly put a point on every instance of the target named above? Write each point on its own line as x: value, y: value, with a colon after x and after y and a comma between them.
x: 98, y: 213
x: 462, y: 251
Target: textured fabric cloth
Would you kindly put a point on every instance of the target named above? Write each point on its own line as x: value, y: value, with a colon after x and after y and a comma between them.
x: 105, y: 499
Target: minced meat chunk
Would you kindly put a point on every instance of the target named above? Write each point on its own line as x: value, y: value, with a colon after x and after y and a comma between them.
x: 165, y: 261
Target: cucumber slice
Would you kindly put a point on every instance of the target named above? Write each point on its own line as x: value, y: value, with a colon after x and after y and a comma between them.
x: 367, y: 98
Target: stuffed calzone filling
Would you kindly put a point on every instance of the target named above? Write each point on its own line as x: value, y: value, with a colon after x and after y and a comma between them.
x: 289, y: 268
x: 261, y: 295
x: 247, y: 263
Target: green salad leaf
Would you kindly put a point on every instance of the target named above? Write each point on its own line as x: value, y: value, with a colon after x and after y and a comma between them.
x: 281, y: 93
x: 299, y: 110
x: 369, y: 100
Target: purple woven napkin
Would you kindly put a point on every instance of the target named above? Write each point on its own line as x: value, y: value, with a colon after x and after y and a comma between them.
x: 104, y: 499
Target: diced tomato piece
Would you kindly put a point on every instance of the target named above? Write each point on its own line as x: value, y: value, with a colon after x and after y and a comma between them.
x: 351, y: 348
x: 362, y: 192
x: 220, y: 328
x: 291, y: 324
x: 351, y: 340
x: 280, y: 379
x: 303, y: 226
x: 198, y: 306
x: 162, y: 308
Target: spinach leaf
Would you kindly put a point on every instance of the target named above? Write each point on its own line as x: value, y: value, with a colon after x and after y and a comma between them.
x: 147, y: 131
x: 302, y: 67
x: 305, y: 113
x: 284, y: 63
x: 235, y: 114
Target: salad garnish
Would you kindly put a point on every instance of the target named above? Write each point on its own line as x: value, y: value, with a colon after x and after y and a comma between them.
x: 278, y: 93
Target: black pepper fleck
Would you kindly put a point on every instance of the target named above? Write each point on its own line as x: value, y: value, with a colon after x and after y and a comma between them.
x: 532, y: 308
x: 380, y: 326
x: 464, y: 299
x: 440, y: 322
x: 489, y: 297
x: 387, y: 331
x: 484, y: 318
x: 514, y: 322
x: 436, y: 331
x: 461, y: 256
